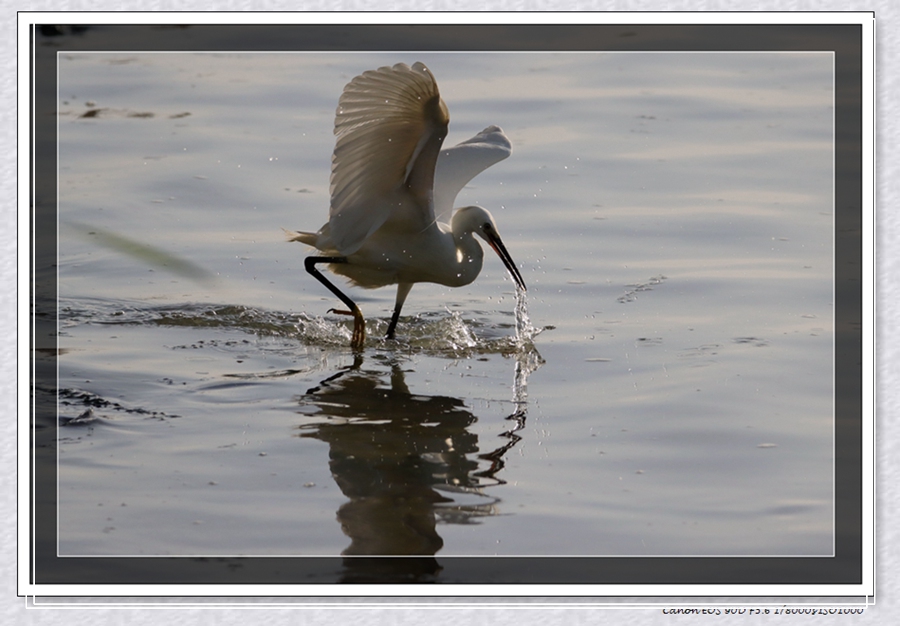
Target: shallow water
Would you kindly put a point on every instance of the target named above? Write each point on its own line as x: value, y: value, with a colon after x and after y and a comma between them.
x: 670, y: 393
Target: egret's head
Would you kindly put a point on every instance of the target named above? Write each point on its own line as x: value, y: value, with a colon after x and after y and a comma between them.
x: 473, y: 219
x: 478, y: 220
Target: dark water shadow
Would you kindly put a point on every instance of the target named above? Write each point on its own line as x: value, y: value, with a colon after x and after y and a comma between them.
x: 406, y: 463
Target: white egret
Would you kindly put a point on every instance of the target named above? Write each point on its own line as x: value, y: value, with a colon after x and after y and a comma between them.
x: 391, y: 219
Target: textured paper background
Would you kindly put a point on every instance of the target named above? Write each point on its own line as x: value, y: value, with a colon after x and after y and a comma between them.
x: 13, y: 609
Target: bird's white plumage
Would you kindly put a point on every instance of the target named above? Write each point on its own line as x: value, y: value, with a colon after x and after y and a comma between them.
x: 391, y: 219
x: 458, y: 165
x: 389, y: 127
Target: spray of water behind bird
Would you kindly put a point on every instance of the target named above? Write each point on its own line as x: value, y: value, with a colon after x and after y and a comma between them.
x: 391, y: 219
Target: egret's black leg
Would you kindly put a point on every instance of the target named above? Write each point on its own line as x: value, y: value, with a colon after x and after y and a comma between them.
x: 402, y: 292
x: 359, y: 324
x: 393, y: 324
x: 310, y: 263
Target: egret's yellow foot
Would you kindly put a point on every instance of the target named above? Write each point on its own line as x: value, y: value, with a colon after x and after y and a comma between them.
x: 359, y: 327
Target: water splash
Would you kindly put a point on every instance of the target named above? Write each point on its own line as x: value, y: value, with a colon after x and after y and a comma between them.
x: 525, y: 331
x: 528, y: 360
x: 440, y: 333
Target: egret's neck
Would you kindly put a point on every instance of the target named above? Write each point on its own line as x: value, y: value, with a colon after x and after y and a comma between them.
x: 469, y: 257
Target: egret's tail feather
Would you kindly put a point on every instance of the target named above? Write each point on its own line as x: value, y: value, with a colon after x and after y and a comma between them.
x: 303, y: 237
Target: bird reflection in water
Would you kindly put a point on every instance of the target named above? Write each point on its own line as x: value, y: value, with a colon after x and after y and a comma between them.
x: 405, y: 462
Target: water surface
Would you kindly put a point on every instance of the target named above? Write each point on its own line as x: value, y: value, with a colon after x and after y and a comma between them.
x: 672, y: 216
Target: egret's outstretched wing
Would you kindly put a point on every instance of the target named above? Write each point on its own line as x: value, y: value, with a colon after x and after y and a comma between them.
x: 458, y: 165
x: 390, y: 124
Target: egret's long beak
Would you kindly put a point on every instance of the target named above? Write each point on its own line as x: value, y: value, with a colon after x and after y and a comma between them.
x: 494, y: 241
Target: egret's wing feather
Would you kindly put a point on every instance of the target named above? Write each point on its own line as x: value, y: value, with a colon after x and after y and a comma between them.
x: 458, y: 165
x: 389, y: 125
